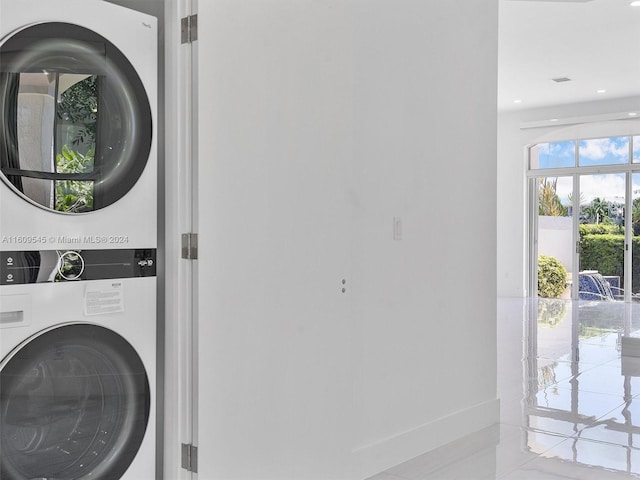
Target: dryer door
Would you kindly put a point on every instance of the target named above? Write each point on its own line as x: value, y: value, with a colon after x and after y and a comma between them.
x: 75, y: 119
x: 74, y: 404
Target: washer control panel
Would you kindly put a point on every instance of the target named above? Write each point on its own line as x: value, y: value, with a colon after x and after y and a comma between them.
x: 44, y: 266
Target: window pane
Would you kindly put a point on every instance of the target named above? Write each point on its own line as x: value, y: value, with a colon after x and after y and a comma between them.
x: 35, y: 120
x: 603, y: 151
x: 555, y: 234
x: 38, y: 190
x: 635, y: 243
x: 77, y: 116
x: 74, y: 196
x: 602, y: 220
x: 636, y: 149
x: 553, y: 155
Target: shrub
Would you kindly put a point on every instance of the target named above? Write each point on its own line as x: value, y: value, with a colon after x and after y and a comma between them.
x: 552, y: 277
x: 599, y: 229
x: 604, y: 253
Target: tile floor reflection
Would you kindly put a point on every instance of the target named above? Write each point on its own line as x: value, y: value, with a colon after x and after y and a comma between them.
x: 570, y: 401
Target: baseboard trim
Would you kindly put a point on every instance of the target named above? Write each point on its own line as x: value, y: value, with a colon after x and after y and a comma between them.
x: 381, y: 455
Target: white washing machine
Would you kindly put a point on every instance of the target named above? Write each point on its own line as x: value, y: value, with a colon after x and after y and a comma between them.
x: 77, y: 375
x: 78, y: 237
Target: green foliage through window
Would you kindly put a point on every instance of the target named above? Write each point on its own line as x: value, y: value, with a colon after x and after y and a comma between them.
x: 552, y: 277
x: 77, y: 111
x: 74, y: 195
x: 548, y: 199
x: 79, y: 105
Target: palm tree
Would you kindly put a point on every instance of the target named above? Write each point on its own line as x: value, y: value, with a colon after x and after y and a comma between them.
x: 548, y: 200
x: 597, y: 211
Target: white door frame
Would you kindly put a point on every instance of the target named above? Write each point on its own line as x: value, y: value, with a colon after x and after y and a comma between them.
x: 179, y: 343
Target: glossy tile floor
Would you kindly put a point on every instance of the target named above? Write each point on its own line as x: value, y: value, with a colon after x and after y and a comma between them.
x: 570, y: 401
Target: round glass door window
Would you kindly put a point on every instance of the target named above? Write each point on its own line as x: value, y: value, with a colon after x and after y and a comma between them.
x: 74, y: 404
x: 75, y: 120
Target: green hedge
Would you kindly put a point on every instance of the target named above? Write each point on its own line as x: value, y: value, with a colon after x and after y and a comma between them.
x: 599, y: 229
x: 605, y: 253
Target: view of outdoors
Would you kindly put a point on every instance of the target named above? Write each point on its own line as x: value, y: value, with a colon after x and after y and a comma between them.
x: 77, y: 113
x: 56, y: 130
x: 583, y: 210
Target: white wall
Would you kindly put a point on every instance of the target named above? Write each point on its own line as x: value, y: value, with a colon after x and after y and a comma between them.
x: 319, y: 123
x: 424, y: 151
x: 555, y: 239
x: 275, y: 125
x: 583, y: 121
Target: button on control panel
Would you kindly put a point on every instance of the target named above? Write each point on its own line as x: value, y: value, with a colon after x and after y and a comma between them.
x: 8, y: 275
x: 71, y: 265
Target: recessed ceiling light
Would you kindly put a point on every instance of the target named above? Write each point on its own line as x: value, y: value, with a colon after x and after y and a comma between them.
x: 517, y: 101
x: 632, y: 114
x: 602, y: 90
x: 635, y: 3
x: 553, y: 120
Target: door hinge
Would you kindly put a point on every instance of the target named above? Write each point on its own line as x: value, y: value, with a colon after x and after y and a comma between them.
x: 190, y: 246
x: 189, y: 29
x: 190, y: 458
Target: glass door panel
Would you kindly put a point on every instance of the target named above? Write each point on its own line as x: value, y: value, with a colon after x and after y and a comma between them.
x: 636, y: 149
x: 602, y: 236
x: 555, y: 241
x: 634, y: 285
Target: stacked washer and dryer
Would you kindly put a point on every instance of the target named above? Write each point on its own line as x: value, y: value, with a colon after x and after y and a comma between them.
x: 78, y: 237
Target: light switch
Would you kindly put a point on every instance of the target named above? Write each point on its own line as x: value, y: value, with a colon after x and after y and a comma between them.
x: 397, y: 228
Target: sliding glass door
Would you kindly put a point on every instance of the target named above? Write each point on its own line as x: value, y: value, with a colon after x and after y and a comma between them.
x: 601, y: 236
x: 554, y: 239
x: 584, y: 198
x: 633, y: 237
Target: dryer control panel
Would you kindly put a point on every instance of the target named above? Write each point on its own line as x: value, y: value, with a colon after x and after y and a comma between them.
x: 50, y: 266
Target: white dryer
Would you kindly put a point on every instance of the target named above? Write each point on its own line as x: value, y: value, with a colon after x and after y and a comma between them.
x: 78, y: 237
x: 78, y: 100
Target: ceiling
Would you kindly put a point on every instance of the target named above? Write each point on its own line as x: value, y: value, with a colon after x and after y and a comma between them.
x: 594, y: 43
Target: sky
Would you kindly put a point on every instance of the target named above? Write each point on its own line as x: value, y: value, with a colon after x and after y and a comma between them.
x: 596, y: 151
x: 591, y: 152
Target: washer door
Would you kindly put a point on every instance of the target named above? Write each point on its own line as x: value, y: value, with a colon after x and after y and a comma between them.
x: 74, y: 404
x: 75, y: 120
